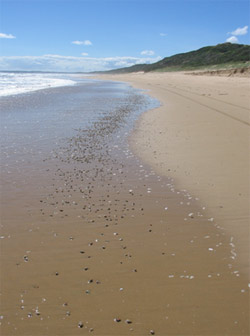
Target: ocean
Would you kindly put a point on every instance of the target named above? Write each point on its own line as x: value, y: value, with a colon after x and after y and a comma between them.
x: 12, y: 83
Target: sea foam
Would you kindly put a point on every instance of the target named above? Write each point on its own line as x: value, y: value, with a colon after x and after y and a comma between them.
x: 12, y: 83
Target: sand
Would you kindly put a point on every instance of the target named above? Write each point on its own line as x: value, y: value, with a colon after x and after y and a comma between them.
x: 200, y: 136
x: 139, y: 239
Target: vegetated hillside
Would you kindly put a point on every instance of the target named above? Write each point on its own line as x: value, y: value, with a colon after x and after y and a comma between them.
x: 207, y: 56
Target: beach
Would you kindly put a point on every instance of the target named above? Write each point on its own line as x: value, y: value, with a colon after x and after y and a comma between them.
x: 114, y: 225
x: 200, y: 137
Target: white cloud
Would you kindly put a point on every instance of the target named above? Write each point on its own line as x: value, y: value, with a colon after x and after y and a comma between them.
x: 7, y: 36
x: 163, y: 34
x: 232, y: 39
x: 77, y: 42
x: 70, y: 63
x: 84, y: 54
x: 240, y: 31
x: 86, y: 42
x: 148, y: 52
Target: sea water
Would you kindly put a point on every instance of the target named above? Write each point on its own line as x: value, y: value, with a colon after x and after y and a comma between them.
x: 12, y: 83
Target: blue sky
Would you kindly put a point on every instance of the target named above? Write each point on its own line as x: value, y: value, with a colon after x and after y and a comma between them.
x: 81, y: 35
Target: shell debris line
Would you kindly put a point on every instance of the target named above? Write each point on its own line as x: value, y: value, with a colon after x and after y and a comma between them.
x: 111, y: 252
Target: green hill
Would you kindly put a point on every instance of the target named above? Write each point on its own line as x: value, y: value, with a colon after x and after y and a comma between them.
x: 208, y: 56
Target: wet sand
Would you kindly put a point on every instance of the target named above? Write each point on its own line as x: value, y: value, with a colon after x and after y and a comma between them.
x: 105, y: 244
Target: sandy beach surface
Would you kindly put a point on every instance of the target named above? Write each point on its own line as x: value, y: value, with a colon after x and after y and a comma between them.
x: 200, y: 136
x: 135, y: 234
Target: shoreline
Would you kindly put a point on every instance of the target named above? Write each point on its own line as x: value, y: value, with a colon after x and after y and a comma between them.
x: 97, y: 241
x: 199, y: 136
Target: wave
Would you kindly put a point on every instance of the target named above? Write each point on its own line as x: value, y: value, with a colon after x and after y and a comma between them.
x: 12, y: 83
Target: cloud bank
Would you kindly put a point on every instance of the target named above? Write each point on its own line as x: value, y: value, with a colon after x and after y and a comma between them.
x: 7, y: 36
x: 70, y: 63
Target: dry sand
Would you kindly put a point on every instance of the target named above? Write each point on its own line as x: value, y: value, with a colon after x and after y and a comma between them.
x: 200, y: 136
x: 101, y: 243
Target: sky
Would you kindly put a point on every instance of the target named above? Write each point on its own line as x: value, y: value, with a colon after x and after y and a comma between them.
x: 95, y: 35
